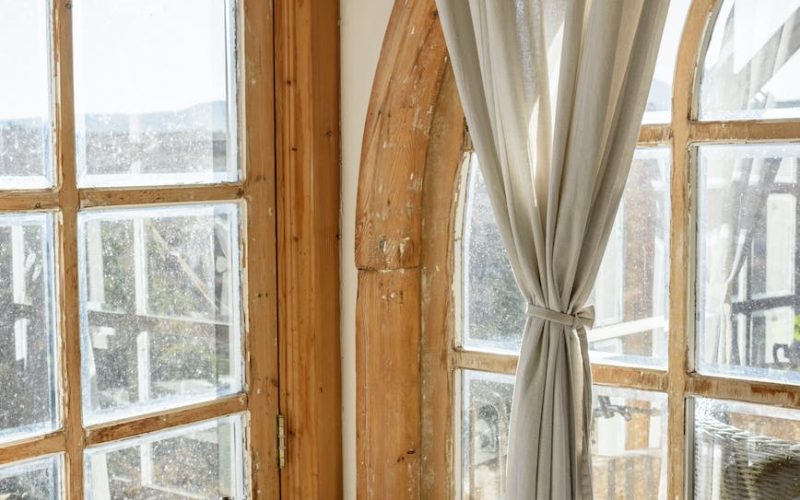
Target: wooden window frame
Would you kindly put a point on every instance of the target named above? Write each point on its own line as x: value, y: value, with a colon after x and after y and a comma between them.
x: 405, y: 252
x: 289, y: 153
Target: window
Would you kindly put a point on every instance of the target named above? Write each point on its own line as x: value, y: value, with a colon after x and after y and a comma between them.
x: 698, y: 296
x: 132, y: 361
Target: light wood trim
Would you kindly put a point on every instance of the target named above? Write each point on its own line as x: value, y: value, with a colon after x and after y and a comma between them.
x: 28, y: 200
x: 32, y: 448
x: 99, y: 197
x: 307, y: 117
x: 743, y: 390
x: 256, y: 24
x: 396, y: 136
x: 388, y: 413
x: 681, y: 289
x: 387, y: 254
x: 68, y: 252
x: 152, y: 423
x: 440, y: 198
x: 654, y: 135
x: 741, y: 131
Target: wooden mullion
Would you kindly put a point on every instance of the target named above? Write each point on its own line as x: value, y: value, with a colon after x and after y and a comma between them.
x: 256, y: 86
x: 28, y: 200
x: 98, y: 197
x: 747, y: 390
x: 33, y: 447
x: 654, y: 135
x: 68, y: 251
x: 744, y: 131
x: 152, y: 423
x: 681, y: 289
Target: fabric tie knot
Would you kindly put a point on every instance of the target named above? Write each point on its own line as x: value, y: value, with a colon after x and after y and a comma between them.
x: 582, y: 319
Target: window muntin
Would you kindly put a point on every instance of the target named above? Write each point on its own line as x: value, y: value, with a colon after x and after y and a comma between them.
x: 29, y: 388
x: 155, y: 92
x: 26, y: 97
x: 752, y: 63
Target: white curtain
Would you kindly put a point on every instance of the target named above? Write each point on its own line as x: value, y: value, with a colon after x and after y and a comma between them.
x: 553, y: 92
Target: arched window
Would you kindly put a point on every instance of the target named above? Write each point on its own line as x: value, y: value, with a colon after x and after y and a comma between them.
x: 698, y: 296
x: 696, y: 353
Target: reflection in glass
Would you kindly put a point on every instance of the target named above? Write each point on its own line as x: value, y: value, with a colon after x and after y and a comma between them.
x: 155, y: 98
x: 745, y: 451
x: 629, y: 435
x: 659, y: 100
x: 631, y: 290
x: 28, y: 372
x: 38, y: 479
x: 202, y: 460
x: 26, y: 104
x: 748, y: 261
x: 160, y: 315
x: 752, y: 64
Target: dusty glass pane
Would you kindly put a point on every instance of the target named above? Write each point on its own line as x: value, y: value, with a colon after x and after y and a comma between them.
x: 493, y: 307
x: 202, y: 460
x: 38, y: 479
x: 160, y: 307
x: 628, y: 439
x: 659, y: 100
x: 745, y: 451
x: 752, y: 64
x: 155, y: 94
x: 28, y: 374
x: 631, y: 291
x: 748, y: 261
x: 25, y: 96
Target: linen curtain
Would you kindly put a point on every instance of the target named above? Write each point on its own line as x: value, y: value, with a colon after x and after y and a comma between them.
x: 554, y: 93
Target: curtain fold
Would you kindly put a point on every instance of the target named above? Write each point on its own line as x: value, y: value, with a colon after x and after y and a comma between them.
x: 553, y: 93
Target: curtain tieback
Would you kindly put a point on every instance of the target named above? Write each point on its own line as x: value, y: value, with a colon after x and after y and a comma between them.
x: 582, y: 319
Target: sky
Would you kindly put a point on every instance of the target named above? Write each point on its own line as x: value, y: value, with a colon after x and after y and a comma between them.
x: 130, y: 56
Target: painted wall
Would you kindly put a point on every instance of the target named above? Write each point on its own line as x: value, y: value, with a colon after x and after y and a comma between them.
x: 362, y: 25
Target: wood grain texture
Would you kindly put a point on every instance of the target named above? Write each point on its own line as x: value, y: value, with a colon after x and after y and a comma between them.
x: 388, y: 400
x: 440, y: 198
x: 681, y: 240
x: 396, y: 138
x: 261, y: 250
x: 307, y: 117
x: 68, y: 295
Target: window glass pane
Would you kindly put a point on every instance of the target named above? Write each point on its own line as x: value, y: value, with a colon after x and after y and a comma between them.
x: 202, y: 460
x: 745, y: 451
x: 28, y: 373
x: 39, y: 479
x: 160, y: 313
x: 659, y: 101
x: 25, y: 96
x: 749, y: 261
x: 493, y: 307
x: 629, y: 435
x: 752, y: 64
x: 631, y: 291
x: 155, y: 99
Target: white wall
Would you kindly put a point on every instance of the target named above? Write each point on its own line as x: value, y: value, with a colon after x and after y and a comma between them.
x: 362, y: 25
